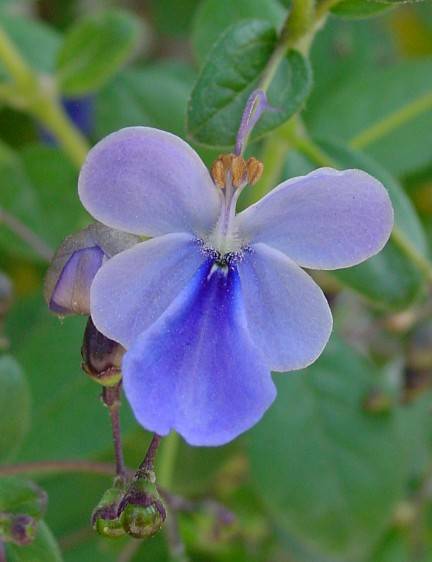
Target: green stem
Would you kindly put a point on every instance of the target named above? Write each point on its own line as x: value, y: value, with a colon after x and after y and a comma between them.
x: 273, y: 155
x: 167, y: 458
x: 396, y: 119
x: 298, y: 31
x: 296, y: 25
x: 314, y: 153
x: 324, y: 7
x: 13, y: 61
x: 36, y: 95
x: 412, y: 253
x: 50, y: 113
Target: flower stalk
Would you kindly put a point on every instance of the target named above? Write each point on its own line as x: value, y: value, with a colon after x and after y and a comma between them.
x: 111, y: 399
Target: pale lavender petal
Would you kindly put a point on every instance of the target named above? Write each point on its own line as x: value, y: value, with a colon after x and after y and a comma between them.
x: 325, y: 220
x: 71, y: 294
x: 196, y: 369
x: 135, y: 287
x: 287, y: 313
x: 148, y: 182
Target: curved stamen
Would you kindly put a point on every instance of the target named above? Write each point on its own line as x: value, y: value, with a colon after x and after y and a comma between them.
x: 231, y: 174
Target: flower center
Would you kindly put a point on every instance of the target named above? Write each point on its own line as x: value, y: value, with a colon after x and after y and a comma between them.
x: 231, y: 173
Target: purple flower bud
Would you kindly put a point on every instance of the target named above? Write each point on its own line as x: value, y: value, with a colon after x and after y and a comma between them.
x: 75, y: 264
x: 101, y: 356
x: 105, y: 520
x: 6, y: 294
x: 18, y: 528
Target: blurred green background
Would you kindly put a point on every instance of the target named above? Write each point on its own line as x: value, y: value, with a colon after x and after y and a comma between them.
x: 340, y: 468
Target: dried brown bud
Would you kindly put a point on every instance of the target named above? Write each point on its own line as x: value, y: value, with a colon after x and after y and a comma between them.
x: 101, y: 356
x: 255, y: 169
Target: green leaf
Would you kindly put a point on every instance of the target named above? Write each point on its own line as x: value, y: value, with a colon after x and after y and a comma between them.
x: 231, y: 72
x: 38, y: 187
x: 213, y: 17
x: 14, y: 407
x: 394, y: 548
x: 94, y: 49
x: 359, y: 8
x: 36, y: 41
x: 68, y: 420
x: 391, y: 120
x: 172, y: 17
x: 43, y: 549
x: 54, y: 180
x: 155, y: 96
x: 196, y: 467
x: 20, y: 496
x: 328, y: 472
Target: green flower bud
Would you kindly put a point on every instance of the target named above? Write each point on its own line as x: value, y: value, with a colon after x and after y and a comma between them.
x: 142, y: 522
x: 142, y: 512
x: 105, y: 520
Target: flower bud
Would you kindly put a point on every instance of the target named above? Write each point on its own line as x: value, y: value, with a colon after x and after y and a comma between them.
x: 6, y: 295
x: 141, y: 511
x: 101, y: 356
x: 104, y: 518
x: 75, y: 264
x: 17, y: 528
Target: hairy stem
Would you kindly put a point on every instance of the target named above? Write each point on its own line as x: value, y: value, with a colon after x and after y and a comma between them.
x: 36, y: 95
x: 111, y: 399
x: 147, y: 464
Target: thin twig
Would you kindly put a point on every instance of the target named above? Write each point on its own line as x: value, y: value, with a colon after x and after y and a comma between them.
x: 49, y: 467
x: 2, y: 553
x: 111, y: 399
x: 148, y: 462
x: 27, y: 235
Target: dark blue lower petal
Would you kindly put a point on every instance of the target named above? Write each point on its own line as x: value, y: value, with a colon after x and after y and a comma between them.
x: 196, y: 369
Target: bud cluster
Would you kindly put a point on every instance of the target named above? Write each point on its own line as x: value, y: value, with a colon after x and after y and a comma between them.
x: 136, y: 509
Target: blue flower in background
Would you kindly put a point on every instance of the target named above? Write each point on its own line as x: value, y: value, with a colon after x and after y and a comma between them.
x: 80, y: 111
x: 216, y: 300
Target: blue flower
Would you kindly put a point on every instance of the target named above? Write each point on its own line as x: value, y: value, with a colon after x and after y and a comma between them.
x: 215, y: 300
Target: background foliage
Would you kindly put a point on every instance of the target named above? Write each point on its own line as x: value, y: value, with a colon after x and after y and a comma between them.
x: 339, y: 470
